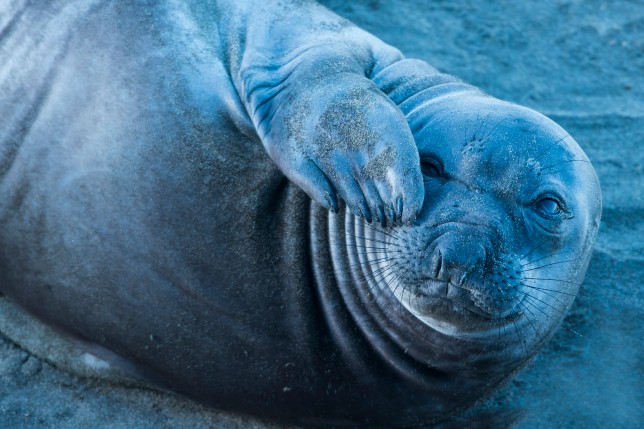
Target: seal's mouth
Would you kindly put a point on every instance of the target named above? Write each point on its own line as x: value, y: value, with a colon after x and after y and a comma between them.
x: 436, y: 291
x: 448, y: 308
x: 468, y: 296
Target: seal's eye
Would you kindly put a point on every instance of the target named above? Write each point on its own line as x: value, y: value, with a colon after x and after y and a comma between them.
x: 430, y: 168
x: 549, y: 206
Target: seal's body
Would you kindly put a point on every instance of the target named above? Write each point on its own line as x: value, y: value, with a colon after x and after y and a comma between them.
x: 141, y: 213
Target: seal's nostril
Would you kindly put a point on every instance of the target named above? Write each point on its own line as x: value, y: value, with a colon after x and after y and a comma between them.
x: 455, y: 260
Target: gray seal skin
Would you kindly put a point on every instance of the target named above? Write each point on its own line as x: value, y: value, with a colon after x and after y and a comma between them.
x: 158, y: 168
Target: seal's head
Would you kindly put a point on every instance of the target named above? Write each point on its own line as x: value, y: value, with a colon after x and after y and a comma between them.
x: 455, y: 302
x: 512, y: 206
x: 501, y: 245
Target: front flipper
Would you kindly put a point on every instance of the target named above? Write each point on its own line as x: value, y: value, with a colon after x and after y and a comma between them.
x: 303, y: 74
x: 333, y: 132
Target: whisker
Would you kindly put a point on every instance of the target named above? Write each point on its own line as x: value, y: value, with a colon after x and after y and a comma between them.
x: 398, y: 286
x: 363, y: 246
x: 381, y: 281
x: 376, y: 260
x: 487, y: 136
x: 551, y: 146
x: 549, y: 290
x: 481, y: 124
x: 376, y: 252
x: 528, y: 297
x: 550, y: 317
x: 387, y: 259
x: 390, y: 233
x: 553, y: 280
x: 553, y: 297
x: 546, y: 304
x: 372, y: 250
x: 530, y: 321
x: 373, y: 240
x: 379, y: 271
x: 530, y: 253
x: 565, y: 162
x: 540, y: 259
x: 363, y: 276
x: 548, y: 265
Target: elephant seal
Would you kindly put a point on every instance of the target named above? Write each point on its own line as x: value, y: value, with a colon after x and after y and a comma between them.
x: 158, y: 171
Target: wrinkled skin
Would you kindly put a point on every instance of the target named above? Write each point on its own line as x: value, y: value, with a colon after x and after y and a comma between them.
x: 167, y: 177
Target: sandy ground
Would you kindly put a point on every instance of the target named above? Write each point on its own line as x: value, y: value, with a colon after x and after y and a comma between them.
x: 580, y: 62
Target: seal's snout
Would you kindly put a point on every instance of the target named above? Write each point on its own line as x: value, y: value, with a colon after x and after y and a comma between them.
x: 454, y: 259
x: 461, y: 266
